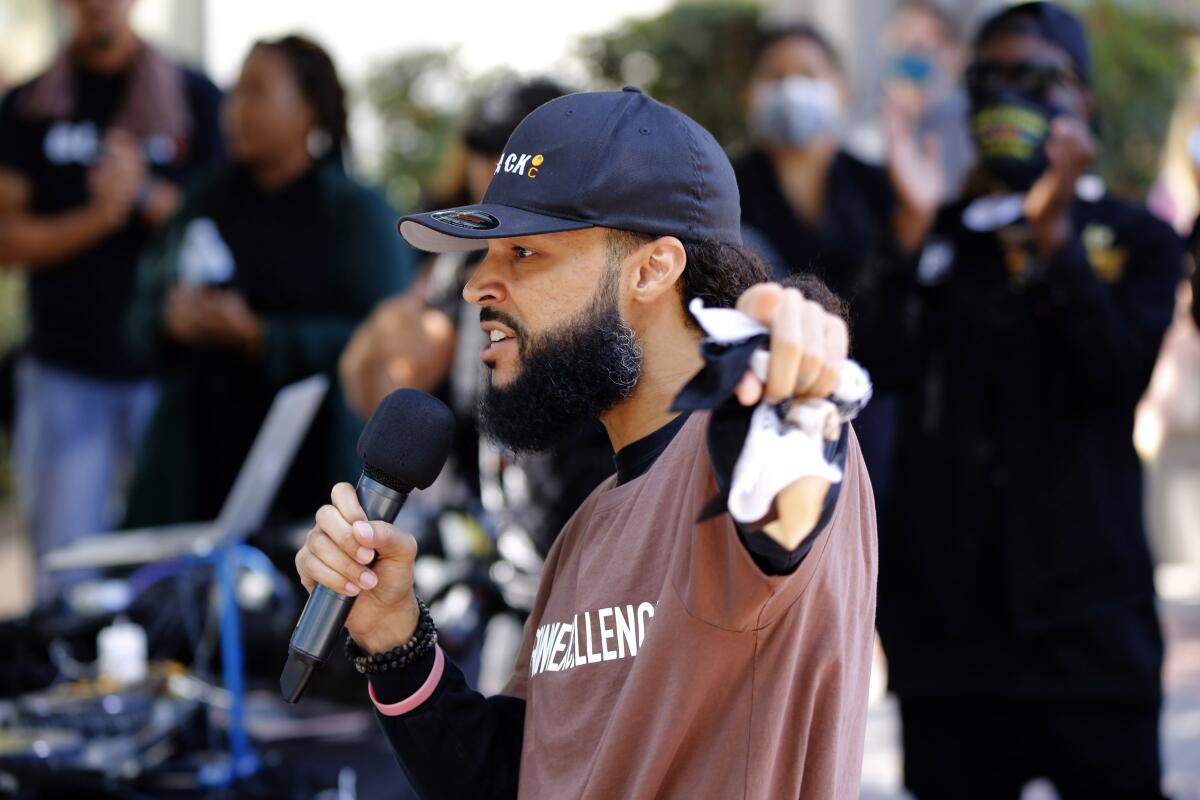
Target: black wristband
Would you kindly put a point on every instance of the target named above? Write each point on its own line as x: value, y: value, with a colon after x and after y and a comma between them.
x: 423, y: 640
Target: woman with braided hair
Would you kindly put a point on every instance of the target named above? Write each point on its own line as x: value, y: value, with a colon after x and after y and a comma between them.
x: 259, y: 282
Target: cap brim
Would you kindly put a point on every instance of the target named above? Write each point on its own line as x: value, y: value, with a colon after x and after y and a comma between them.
x: 455, y: 230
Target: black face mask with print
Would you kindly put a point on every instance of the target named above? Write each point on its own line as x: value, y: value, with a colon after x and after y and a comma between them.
x: 1010, y: 129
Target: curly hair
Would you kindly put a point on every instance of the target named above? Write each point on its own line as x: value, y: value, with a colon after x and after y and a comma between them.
x: 718, y: 272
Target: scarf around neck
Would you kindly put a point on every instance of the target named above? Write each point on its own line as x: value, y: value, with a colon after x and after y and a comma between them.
x: 154, y: 104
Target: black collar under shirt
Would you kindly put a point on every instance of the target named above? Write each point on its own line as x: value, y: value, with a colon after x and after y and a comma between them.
x: 635, y: 459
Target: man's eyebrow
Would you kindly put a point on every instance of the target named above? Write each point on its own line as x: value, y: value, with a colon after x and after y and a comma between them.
x: 539, y: 243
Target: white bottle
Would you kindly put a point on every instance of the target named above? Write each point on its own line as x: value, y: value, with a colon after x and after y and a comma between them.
x: 122, y: 652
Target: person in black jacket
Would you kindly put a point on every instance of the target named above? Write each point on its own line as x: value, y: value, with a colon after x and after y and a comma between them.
x: 807, y: 204
x: 1016, y: 602
x: 813, y: 208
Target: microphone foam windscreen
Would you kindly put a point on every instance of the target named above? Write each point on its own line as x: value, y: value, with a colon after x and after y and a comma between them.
x: 407, y: 440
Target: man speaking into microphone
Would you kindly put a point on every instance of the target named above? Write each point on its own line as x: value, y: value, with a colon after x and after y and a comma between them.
x: 703, y: 628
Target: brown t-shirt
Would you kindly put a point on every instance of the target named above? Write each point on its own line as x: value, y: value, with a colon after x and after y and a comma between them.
x: 660, y: 662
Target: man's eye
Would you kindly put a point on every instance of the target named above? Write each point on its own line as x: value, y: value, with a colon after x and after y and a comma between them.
x: 522, y: 252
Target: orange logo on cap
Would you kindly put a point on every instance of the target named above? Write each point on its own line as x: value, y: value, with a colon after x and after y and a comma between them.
x: 515, y: 163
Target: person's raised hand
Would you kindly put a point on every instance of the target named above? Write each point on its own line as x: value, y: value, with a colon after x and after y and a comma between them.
x: 1071, y: 149
x: 915, y: 170
x: 808, y: 346
x: 369, y: 560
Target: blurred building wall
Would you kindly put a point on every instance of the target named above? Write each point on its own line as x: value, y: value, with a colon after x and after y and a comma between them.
x: 30, y: 31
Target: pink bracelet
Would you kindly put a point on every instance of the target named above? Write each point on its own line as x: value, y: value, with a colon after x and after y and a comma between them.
x: 418, y: 697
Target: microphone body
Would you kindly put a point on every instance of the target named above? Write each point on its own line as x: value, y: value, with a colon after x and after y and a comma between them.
x: 403, y: 447
x: 325, y: 613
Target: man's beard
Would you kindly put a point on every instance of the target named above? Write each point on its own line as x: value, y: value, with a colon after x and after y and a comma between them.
x: 568, y: 376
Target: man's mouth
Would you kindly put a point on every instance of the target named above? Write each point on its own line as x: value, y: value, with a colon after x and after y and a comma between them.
x: 499, y: 338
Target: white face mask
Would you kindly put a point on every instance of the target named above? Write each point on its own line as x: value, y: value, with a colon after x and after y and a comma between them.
x: 794, y: 111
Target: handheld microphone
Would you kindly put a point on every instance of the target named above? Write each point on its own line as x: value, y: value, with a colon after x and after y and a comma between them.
x: 403, y: 446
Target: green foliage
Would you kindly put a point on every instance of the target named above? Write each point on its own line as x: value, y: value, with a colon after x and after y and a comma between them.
x: 420, y: 98
x: 1139, y: 58
x: 694, y: 56
x: 417, y: 98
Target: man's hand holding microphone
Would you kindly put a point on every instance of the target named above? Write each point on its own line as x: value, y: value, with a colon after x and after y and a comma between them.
x: 357, y: 566
x: 371, y: 561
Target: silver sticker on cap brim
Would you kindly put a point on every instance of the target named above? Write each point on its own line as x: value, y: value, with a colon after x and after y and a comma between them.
x: 471, y: 220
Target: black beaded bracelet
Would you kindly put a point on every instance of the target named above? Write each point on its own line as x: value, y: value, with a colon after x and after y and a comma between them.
x: 401, y: 656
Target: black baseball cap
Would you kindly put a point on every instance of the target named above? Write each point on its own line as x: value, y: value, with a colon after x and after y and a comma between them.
x: 609, y: 159
x: 1046, y: 21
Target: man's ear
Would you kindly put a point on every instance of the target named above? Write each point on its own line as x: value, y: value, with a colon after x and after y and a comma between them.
x: 656, y: 268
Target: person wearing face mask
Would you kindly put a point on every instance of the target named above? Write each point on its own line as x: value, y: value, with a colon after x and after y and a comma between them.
x: 813, y: 208
x: 818, y: 209
x: 1016, y: 586
x: 924, y: 67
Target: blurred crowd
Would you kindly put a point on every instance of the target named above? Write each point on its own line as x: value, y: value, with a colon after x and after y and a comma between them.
x: 190, y: 252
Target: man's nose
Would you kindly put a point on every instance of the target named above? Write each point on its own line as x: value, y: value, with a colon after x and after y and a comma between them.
x: 485, y: 286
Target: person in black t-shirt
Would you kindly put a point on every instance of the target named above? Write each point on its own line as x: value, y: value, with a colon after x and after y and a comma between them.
x: 93, y: 156
x: 259, y: 282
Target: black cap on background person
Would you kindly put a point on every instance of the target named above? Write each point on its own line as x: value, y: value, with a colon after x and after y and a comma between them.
x: 465, y: 169
x: 410, y: 340
x: 501, y: 111
x: 1046, y: 21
